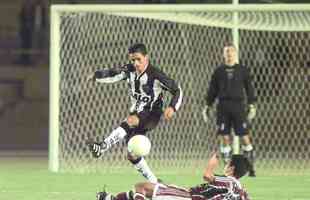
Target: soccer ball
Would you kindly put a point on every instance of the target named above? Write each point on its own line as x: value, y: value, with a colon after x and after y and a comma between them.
x: 139, y: 145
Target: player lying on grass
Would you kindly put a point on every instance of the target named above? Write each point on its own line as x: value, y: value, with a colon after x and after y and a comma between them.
x: 226, y: 187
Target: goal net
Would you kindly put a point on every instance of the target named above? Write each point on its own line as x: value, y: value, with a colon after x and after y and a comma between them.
x: 186, y: 42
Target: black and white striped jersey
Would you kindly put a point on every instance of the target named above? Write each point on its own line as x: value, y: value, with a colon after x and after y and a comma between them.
x: 146, y: 89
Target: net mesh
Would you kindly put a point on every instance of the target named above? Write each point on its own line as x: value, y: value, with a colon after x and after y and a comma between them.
x: 188, y: 50
x: 280, y: 64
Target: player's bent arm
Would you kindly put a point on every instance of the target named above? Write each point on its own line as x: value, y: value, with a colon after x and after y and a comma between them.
x: 212, y: 93
x: 177, y: 94
x: 249, y: 89
x: 213, y: 163
x: 177, y: 98
x: 212, y: 90
x: 109, y: 76
x: 112, y: 75
x: 169, y: 84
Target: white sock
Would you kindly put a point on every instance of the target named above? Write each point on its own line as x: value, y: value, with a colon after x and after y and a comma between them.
x: 117, y: 135
x: 144, y: 169
x: 225, y: 149
x: 248, y: 147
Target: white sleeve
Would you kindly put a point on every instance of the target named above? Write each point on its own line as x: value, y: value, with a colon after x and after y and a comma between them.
x: 112, y: 79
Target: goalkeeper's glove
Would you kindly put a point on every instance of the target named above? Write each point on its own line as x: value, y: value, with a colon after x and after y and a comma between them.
x: 205, y: 113
x: 251, y: 112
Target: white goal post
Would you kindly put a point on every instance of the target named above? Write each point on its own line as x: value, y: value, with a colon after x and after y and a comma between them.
x: 87, y: 37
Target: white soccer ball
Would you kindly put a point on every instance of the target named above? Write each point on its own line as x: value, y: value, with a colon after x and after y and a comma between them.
x: 139, y: 145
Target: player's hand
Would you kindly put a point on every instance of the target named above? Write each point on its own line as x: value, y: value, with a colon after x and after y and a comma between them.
x: 98, y: 74
x: 91, y: 78
x: 252, y: 112
x: 205, y: 113
x: 168, y: 113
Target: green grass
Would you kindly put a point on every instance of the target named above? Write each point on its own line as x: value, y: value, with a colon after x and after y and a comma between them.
x: 28, y: 179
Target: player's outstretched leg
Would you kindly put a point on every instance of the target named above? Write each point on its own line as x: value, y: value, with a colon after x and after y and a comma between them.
x: 97, y: 148
x: 142, y: 167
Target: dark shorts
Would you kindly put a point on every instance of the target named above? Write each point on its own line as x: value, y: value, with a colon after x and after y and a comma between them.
x: 232, y: 114
x: 148, y: 120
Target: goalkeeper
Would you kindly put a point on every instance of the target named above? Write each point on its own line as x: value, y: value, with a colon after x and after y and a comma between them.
x: 146, y: 85
x: 227, y: 187
x: 229, y: 83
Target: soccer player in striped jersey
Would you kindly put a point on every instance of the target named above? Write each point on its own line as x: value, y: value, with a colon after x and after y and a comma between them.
x: 226, y: 187
x: 146, y: 85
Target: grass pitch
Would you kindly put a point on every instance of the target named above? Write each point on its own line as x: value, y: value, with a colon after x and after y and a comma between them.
x: 27, y: 178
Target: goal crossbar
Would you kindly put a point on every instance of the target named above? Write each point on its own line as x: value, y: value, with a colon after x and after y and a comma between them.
x: 179, y: 8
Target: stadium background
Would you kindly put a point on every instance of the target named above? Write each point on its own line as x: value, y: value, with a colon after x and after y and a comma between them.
x: 24, y: 116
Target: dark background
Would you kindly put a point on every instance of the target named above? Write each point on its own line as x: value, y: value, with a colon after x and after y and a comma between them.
x: 24, y: 71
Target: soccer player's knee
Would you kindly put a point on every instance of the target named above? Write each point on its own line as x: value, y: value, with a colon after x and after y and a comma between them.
x: 246, y: 139
x: 132, y: 121
x: 130, y: 157
x: 226, y: 140
x: 140, y: 188
x: 133, y: 159
x: 145, y: 188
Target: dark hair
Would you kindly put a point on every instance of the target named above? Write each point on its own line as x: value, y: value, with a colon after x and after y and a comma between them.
x: 137, y: 48
x: 241, y: 164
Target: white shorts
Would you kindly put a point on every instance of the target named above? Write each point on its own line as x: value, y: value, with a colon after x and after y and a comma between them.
x: 170, y: 192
